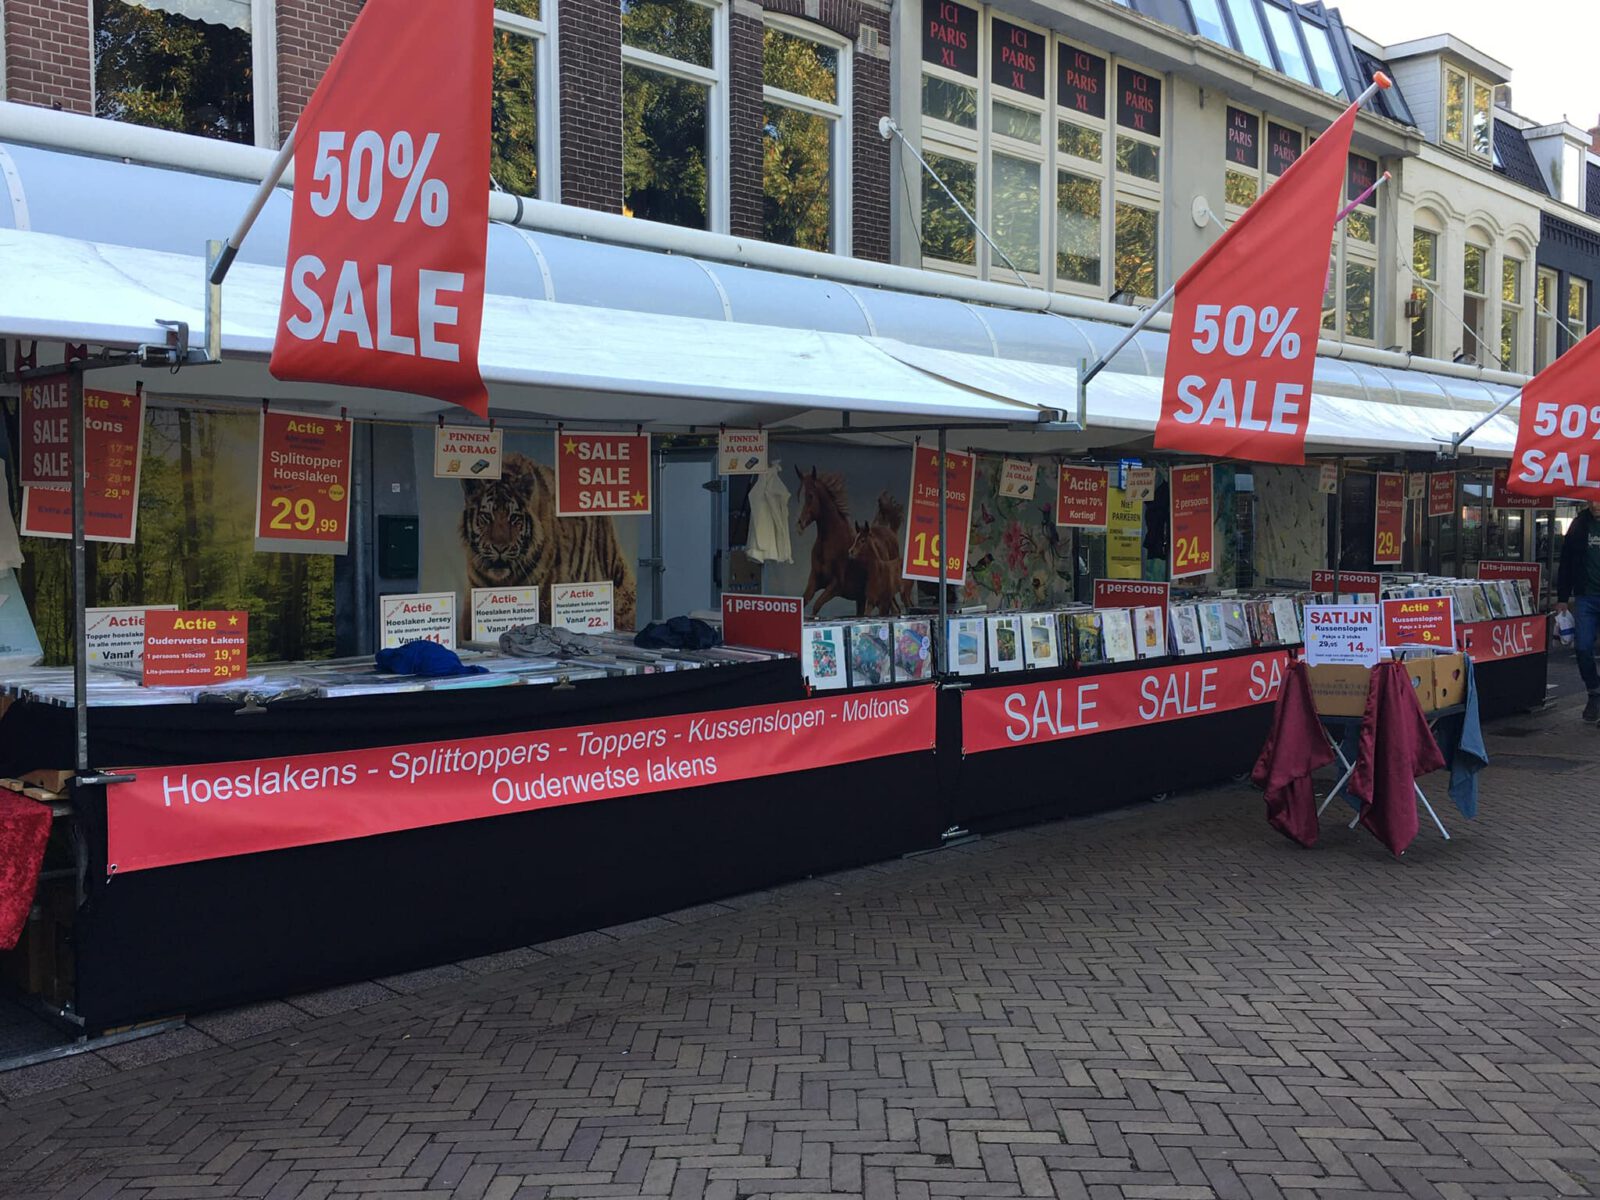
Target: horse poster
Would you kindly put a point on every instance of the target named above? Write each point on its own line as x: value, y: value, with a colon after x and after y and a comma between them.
x: 922, y: 548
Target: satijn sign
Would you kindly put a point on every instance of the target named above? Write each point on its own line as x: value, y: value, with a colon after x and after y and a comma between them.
x: 386, y: 242
x: 1139, y: 101
x: 303, y: 484
x: 766, y: 622
x: 1244, y: 139
x: 194, y: 649
x: 1131, y: 593
x: 1495, y: 641
x: 172, y: 815
x: 44, y: 432
x: 1193, y: 521
x: 1347, y: 583
x: 1081, y: 82
x: 1419, y: 623
x: 1342, y: 635
x: 1504, y: 497
x: 1019, y: 58
x: 950, y: 36
x: 1083, y: 497
x: 1389, y: 519
x: 602, y: 474
x: 1001, y: 718
x: 113, y: 460
x: 1442, y: 494
x: 922, y: 549
x: 1559, y: 429
x: 1283, y: 147
x: 1532, y: 572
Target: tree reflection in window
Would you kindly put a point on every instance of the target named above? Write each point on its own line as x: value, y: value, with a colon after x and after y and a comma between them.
x: 1136, y: 249
x: 946, y: 233
x: 514, y: 105
x: 799, y: 150
x: 159, y: 69
x: 665, y: 175
x: 1078, y: 229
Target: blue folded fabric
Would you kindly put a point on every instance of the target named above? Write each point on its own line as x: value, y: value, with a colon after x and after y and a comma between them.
x: 424, y: 658
x: 680, y: 633
x: 1461, y: 742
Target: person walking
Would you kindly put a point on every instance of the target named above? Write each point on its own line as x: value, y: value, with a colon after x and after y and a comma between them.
x: 1578, y: 591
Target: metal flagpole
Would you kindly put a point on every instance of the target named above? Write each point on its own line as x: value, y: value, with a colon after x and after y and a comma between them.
x: 1458, y: 439
x: 230, y: 248
x: 943, y: 641
x: 1380, y: 81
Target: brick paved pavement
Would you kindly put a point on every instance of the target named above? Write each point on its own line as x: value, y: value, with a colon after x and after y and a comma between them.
x: 1173, y: 1002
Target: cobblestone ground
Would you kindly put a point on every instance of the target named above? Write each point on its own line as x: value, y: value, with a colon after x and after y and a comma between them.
x: 1173, y: 1002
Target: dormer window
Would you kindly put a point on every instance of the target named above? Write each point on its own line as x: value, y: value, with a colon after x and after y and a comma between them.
x: 1468, y: 113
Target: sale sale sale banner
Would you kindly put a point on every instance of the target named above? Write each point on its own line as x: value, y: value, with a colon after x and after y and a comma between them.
x: 1389, y: 523
x: 602, y: 474
x: 195, y: 649
x: 385, y: 279
x: 1419, y: 623
x: 1441, y: 493
x: 113, y: 444
x: 1247, y: 316
x: 43, y: 413
x: 1557, y: 437
x: 923, y: 551
x: 303, y: 484
x: 1083, y: 498
x: 1193, y: 522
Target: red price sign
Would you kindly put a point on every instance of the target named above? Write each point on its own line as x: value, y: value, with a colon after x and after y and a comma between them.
x: 1349, y: 583
x: 1442, y: 494
x: 42, y: 421
x: 1128, y: 593
x: 303, y: 484
x: 1193, y: 522
x: 1421, y: 624
x: 1389, y: 526
x: 113, y: 444
x: 769, y: 622
x: 1504, y: 497
x: 194, y: 649
x: 1083, y: 498
x: 602, y: 474
x: 921, y: 555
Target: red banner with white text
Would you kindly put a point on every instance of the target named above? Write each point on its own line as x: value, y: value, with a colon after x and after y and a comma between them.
x: 1496, y: 641
x: 1247, y: 316
x: 922, y: 551
x: 1558, y: 437
x: 181, y: 814
x: 1029, y: 714
x: 384, y: 287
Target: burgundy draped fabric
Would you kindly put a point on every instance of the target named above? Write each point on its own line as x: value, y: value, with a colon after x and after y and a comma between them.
x: 1295, y: 747
x: 1396, y: 748
x: 24, y: 829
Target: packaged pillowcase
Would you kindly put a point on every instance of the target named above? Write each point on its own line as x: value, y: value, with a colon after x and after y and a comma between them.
x: 1087, y: 642
x: 1150, y: 632
x: 913, y: 650
x: 1186, y: 630
x: 823, y: 657
x: 1116, y: 627
x: 967, y: 650
x: 871, y: 654
x: 1039, y: 640
x: 1005, y: 643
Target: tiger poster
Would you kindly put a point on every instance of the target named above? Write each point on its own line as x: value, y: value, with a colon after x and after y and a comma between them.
x: 489, y: 533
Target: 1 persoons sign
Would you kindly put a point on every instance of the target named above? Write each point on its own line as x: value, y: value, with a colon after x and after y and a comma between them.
x: 384, y: 287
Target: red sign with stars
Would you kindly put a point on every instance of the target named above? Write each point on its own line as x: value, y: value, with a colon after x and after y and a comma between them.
x: 303, y: 484
x: 602, y: 474
x: 195, y: 649
x: 113, y: 444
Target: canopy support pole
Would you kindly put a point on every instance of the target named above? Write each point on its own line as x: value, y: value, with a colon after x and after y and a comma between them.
x: 80, y: 574
x: 942, y: 641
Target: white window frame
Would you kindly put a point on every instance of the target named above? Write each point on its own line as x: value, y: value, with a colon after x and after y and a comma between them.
x: 1474, y: 341
x: 1549, y: 314
x: 547, y: 115
x: 1516, y: 309
x: 1469, y: 83
x: 1265, y: 177
x: 1352, y: 251
x: 1576, y: 286
x: 958, y: 141
x: 842, y: 184
x: 995, y: 144
x: 715, y: 78
x: 1427, y: 291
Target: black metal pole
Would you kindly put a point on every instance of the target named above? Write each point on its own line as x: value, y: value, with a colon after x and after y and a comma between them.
x: 943, y: 641
x: 80, y: 572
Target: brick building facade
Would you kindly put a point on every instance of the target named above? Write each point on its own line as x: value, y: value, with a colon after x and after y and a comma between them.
x: 50, y: 61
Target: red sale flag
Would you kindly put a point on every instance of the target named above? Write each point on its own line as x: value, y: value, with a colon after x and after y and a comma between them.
x: 1247, y: 316
x: 1558, y: 439
x: 384, y: 287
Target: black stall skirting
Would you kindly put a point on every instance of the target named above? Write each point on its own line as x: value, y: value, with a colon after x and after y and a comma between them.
x: 1512, y: 685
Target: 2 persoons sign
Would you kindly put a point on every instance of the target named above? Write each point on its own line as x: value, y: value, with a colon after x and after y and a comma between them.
x: 182, y: 814
x: 1003, y: 718
x: 384, y: 287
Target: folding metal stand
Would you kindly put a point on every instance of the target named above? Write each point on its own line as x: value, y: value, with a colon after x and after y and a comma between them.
x: 1350, y: 767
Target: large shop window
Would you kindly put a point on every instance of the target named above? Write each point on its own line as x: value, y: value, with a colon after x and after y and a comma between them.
x: 155, y: 65
x: 805, y: 138
x: 1057, y: 148
x: 1468, y: 113
x: 1350, y: 304
x: 1425, y: 273
x: 674, y: 102
x: 522, y: 131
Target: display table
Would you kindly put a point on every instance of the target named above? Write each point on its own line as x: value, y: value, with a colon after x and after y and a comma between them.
x: 227, y: 930
x: 1512, y: 661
